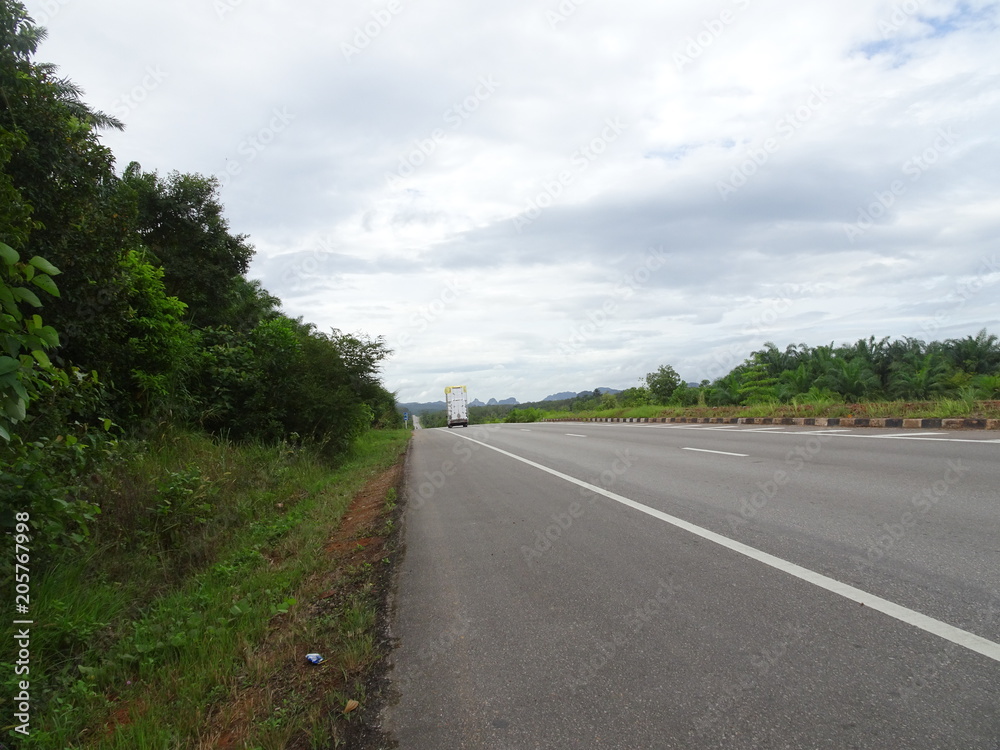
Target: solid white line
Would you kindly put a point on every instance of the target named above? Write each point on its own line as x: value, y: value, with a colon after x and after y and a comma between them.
x: 763, y: 429
x: 941, y: 629
x: 721, y: 453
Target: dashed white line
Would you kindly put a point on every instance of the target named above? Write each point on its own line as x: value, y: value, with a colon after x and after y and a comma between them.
x: 721, y: 453
x: 964, y: 638
x: 909, y: 435
x: 570, y: 434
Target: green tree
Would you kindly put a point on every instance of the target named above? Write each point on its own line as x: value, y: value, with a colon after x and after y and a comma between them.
x: 794, y: 382
x: 853, y: 379
x: 978, y: 355
x: 662, y: 383
x: 919, y: 377
x: 756, y: 385
x: 180, y: 219
x: 79, y: 221
x: 636, y: 396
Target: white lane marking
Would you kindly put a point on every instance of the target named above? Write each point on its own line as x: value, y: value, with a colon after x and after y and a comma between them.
x: 724, y: 427
x: 721, y: 453
x: 839, y: 433
x: 570, y: 434
x: 909, y: 435
x: 764, y: 429
x: 523, y: 429
x: 931, y: 625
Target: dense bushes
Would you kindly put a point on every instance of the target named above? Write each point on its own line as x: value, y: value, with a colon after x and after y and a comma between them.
x: 153, y: 323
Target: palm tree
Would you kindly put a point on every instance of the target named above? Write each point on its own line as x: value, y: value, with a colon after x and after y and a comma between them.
x: 794, y: 382
x: 852, y: 378
x: 979, y: 354
x: 919, y: 377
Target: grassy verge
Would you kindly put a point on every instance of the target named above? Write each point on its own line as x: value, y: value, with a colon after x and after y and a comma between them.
x: 216, y: 569
x: 944, y: 408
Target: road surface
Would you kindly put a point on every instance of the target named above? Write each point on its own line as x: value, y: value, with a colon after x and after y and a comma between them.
x: 576, y: 585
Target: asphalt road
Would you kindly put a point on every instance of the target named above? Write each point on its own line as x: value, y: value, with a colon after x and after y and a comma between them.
x: 579, y: 585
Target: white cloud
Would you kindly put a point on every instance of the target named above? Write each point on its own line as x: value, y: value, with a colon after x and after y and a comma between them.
x: 820, y: 108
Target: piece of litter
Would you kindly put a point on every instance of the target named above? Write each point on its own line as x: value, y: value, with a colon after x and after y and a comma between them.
x: 314, y: 658
x: 351, y: 705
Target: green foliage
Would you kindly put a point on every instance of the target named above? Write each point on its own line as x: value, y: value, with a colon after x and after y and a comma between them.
x: 851, y: 378
x: 24, y: 339
x: 865, y: 371
x: 55, y: 480
x: 685, y: 395
x: 919, y: 377
x: 636, y: 396
x: 181, y: 223
x: 662, y: 383
x: 182, y: 503
x: 756, y: 385
x: 525, y: 415
x: 159, y: 347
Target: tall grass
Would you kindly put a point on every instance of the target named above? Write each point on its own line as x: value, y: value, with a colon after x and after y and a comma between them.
x: 201, y: 544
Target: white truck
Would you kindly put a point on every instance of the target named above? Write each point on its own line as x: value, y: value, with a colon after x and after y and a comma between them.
x: 457, y: 399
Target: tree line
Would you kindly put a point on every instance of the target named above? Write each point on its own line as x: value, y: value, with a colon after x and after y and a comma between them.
x: 869, y: 370
x: 903, y: 369
x: 126, y: 307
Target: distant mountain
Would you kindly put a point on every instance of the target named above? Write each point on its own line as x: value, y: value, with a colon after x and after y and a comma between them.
x: 582, y: 394
x: 418, y: 408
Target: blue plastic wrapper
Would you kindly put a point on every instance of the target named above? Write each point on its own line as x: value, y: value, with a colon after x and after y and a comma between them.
x: 314, y: 658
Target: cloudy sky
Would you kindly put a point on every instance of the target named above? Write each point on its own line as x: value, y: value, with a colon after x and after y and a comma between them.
x: 531, y: 197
